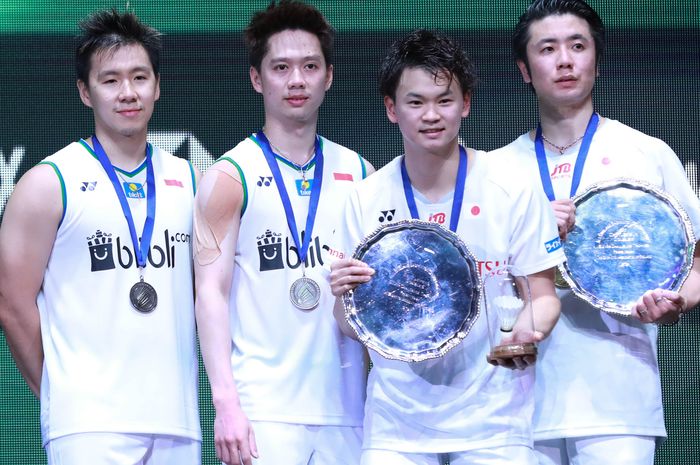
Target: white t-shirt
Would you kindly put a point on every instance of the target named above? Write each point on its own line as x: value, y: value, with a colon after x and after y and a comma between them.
x: 458, y: 402
x: 107, y: 367
x: 290, y: 365
x: 598, y: 373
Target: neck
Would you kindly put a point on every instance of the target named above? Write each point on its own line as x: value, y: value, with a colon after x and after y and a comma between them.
x: 125, y: 153
x: 562, y: 125
x: 296, y: 142
x: 433, y: 174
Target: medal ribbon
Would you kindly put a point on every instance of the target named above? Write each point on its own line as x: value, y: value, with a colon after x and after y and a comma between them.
x: 457, y: 198
x: 141, y: 250
x: 580, y: 158
x: 284, y: 196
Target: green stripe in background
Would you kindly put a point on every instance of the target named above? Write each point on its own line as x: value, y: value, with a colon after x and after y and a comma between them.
x: 52, y: 17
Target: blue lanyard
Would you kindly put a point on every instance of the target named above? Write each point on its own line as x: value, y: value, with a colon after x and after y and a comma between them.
x: 580, y: 158
x: 142, y: 250
x: 284, y: 196
x: 457, y: 198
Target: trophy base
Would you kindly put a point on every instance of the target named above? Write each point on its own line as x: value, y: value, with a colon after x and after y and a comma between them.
x: 509, y: 351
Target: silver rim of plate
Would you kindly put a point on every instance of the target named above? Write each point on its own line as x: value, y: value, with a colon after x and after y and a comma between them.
x: 613, y: 289
x: 412, y: 309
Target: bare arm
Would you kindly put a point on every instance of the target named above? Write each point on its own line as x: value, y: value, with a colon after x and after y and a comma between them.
x: 217, y: 214
x: 27, y: 234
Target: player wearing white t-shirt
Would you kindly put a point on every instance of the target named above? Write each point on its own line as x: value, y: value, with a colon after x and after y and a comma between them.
x: 598, y: 394
x: 96, y: 271
x: 263, y: 220
x: 457, y: 407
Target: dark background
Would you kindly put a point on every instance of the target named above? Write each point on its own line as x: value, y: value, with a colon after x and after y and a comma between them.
x: 649, y: 79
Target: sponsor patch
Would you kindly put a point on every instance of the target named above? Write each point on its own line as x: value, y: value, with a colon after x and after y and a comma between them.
x: 304, y: 186
x: 134, y: 190
x: 554, y: 244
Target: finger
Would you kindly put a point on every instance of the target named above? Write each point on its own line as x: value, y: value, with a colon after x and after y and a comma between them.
x: 244, y: 453
x: 253, y: 443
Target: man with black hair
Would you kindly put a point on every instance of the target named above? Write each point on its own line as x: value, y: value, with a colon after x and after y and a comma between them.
x: 95, y: 290
x: 263, y: 218
x: 457, y: 407
x: 598, y: 394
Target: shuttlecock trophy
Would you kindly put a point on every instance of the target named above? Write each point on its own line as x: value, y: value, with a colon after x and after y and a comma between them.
x: 509, y: 314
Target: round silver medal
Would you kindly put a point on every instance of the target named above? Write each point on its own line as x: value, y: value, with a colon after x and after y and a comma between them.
x: 143, y: 296
x: 305, y: 293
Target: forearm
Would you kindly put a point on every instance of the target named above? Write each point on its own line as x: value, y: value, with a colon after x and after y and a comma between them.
x: 339, y: 314
x: 691, y: 288
x: 545, y: 303
x: 215, y: 346
x: 23, y: 334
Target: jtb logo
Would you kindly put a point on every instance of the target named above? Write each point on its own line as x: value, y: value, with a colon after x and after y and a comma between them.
x: 101, y: 253
x: 560, y: 169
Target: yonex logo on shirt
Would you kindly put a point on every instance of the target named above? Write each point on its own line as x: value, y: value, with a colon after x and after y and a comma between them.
x: 386, y: 215
x: 88, y: 186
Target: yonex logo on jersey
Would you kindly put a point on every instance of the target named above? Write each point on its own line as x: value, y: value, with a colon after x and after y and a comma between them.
x: 88, y: 186
x: 554, y: 244
x: 264, y: 181
x: 437, y: 218
x: 386, y: 215
x: 101, y: 253
x: 161, y: 254
x: 270, y: 251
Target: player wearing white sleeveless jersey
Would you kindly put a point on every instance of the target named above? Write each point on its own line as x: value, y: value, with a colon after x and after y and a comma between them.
x: 293, y: 366
x: 93, y: 241
x: 96, y: 275
x: 287, y: 386
x: 598, y: 393
x: 457, y: 407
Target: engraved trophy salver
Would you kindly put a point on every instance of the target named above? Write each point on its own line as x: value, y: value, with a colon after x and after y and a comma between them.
x: 509, y: 313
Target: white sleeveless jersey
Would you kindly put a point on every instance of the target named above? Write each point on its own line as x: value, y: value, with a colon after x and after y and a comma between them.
x: 107, y: 367
x: 457, y: 402
x: 597, y: 373
x: 290, y: 365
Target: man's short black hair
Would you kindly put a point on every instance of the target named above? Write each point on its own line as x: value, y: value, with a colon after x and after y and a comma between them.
x: 283, y: 16
x: 109, y: 30
x: 540, y: 9
x: 429, y: 51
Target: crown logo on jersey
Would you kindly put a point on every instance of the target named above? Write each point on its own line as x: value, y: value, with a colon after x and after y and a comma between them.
x: 101, y: 251
x: 270, y: 251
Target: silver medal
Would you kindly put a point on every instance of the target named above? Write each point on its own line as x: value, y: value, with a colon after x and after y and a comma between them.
x: 143, y: 296
x: 305, y: 293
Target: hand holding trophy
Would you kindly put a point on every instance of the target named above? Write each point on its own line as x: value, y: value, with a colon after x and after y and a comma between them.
x: 510, y: 319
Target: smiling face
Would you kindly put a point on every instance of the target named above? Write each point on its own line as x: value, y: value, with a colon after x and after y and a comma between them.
x: 293, y: 78
x: 428, y: 110
x: 121, y: 90
x: 562, y: 61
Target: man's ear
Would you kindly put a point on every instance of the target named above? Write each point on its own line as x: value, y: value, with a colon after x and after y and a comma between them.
x: 256, y: 79
x: 390, y: 109
x: 84, y: 93
x: 524, y: 71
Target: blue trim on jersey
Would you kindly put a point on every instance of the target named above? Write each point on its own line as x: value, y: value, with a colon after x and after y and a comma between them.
x: 363, y: 165
x: 130, y: 174
x: 64, y: 197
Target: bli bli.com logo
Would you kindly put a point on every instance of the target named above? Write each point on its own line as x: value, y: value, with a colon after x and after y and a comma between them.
x: 274, y: 255
x: 102, y: 255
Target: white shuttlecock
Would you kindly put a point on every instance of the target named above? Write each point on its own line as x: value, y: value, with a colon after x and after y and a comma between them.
x: 508, y: 308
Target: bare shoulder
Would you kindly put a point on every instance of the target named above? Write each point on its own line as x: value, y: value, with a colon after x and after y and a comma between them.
x: 39, y: 195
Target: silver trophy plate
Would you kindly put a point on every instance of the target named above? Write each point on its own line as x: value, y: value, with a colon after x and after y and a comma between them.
x: 629, y: 237
x: 424, y: 296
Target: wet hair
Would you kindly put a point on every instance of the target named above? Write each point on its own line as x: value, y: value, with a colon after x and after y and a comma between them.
x: 540, y: 9
x: 282, y: 16
x: 108, y: 30
x: 429, y: 51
